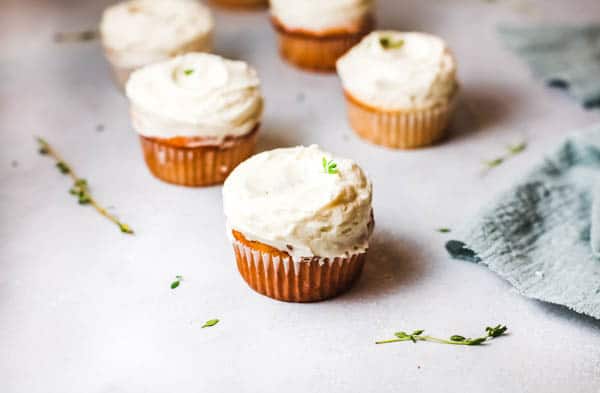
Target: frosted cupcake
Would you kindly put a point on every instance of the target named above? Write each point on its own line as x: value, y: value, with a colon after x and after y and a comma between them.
x: 313, y: 34
x: 400, y: 88
x: 197, y: 116
x: 140, y: 32
x: 300, y: 221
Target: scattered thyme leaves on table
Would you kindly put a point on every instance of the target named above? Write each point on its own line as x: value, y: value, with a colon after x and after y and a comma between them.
x: 511, y: 150
x: 444, y: 230
x: 518, y: 148
x: 210, y: 323
x: 178, y: 280
x: 76, y: 36
x: 417, y: 335
x: 329, y: 167
x: 188, y: 71
x: 80, y: 187
x: 389, y: 43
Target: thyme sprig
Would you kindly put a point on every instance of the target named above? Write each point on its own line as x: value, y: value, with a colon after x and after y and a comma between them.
x: 511, y: 150
x: 417, y: 335
x: 76, y: 36
x: 329, y: 167
x: 80, y: 187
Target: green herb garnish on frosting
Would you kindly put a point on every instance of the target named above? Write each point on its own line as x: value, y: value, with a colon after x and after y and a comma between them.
x: 389, y: 43
x: 329, y: 167
x: 417, y: 335
x: 188, y: 71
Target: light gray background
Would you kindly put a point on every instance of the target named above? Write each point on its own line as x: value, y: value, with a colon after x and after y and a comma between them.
x: 84, y: 308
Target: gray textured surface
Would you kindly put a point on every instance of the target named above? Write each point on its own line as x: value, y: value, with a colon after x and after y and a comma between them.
x: 541, y: 234
x: 562, y: 56
x: 85, y: 309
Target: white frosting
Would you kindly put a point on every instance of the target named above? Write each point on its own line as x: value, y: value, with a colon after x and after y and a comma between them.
x: 140, y: 32
x: 318, y: 15
x: 195, y: 95
x: 419, y: 73
x: 284, y: 198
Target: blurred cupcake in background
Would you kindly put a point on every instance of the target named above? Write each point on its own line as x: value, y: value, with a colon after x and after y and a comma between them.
x: 400, y: 88
x: 313, y: 34
x: 300, y: 220
x: 197, y: 115
x: 140, y: 32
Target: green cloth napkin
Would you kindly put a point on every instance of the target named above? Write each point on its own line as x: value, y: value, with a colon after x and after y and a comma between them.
x: 543, y: 234
x: 563, y: 56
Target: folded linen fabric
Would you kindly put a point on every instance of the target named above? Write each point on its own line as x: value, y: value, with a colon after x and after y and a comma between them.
x: 543, y: 234
x: 563, y: 56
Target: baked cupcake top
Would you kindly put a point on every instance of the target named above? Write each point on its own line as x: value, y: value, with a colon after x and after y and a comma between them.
x: 140, y: 32
x: 195, y: 95
x: 319, y: 15
x: 392, y: 70
x: 301, y: 200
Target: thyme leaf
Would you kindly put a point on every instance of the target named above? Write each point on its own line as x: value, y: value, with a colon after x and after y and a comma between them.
x: 210, y: 323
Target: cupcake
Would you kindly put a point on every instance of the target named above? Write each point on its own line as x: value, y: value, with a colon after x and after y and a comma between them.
x: 140, y: 32
x: 197, y: 116
x: 241, y: 3
x: 313, y: 34
x: 300, y: 221
x: 400, y: 88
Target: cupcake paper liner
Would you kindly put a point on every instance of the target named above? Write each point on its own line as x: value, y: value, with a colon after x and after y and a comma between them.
x: 198, y: 165
x: 278, y: 276
x: 405, y: 129
x: 316, y: 52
